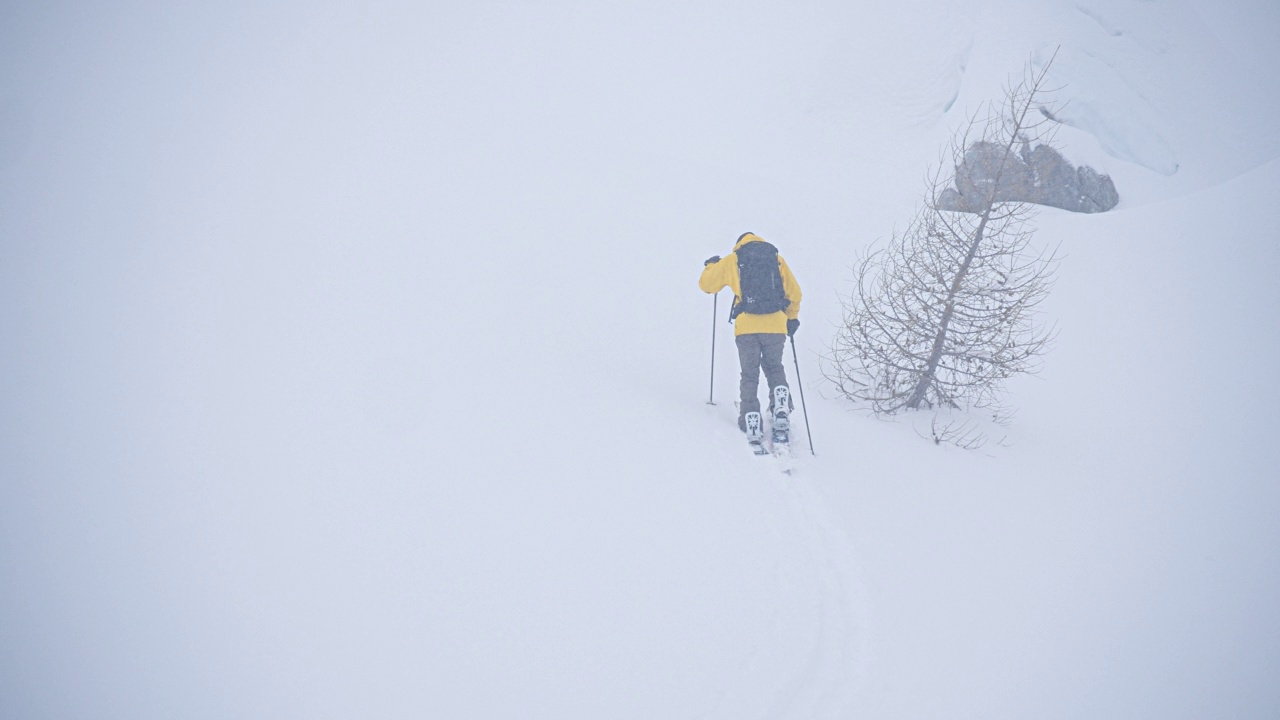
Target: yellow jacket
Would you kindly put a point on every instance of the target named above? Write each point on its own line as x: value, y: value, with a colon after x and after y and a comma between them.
x: 718, y: 276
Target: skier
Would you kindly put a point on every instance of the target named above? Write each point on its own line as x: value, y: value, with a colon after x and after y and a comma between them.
x: 766, y: 309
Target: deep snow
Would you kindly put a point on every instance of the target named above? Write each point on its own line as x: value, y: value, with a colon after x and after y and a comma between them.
x: 353, y: 365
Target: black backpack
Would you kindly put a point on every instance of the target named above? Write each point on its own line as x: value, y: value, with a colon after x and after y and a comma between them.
x: 760, y: 279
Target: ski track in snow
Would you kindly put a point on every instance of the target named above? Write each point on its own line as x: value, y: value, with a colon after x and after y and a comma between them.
x: 825, y: 686
x: 817, y: 658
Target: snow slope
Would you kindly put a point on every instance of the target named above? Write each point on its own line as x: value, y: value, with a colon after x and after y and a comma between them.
x: 353, y: 366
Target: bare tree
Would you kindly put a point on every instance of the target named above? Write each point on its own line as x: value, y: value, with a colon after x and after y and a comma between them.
x: 945, y: 313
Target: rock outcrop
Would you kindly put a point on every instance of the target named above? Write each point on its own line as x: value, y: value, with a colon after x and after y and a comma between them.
x: 1040, y: 175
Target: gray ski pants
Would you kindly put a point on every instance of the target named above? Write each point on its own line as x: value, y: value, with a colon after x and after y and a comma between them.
x: 756, y: 352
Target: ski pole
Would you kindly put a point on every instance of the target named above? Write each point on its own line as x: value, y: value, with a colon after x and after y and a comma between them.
x: 715, y: 301
x: 800, y: 385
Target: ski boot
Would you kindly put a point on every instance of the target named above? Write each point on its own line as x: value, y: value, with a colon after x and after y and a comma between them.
x: 754, y: 427
x: 781, y: 418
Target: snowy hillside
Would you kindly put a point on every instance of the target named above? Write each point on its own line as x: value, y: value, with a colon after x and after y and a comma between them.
x: 353, y: 365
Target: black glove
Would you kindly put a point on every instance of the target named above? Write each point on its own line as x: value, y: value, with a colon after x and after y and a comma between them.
x: 792, y: 327
x: 711, y: 260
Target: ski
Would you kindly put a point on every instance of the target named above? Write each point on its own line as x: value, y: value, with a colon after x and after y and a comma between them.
x: 780, y: 448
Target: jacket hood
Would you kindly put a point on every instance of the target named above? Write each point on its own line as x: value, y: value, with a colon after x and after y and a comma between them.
x: 747, y: 238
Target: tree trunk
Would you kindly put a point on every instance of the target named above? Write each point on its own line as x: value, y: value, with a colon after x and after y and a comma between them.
x: 939, y: 340
x: 929, y: 372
